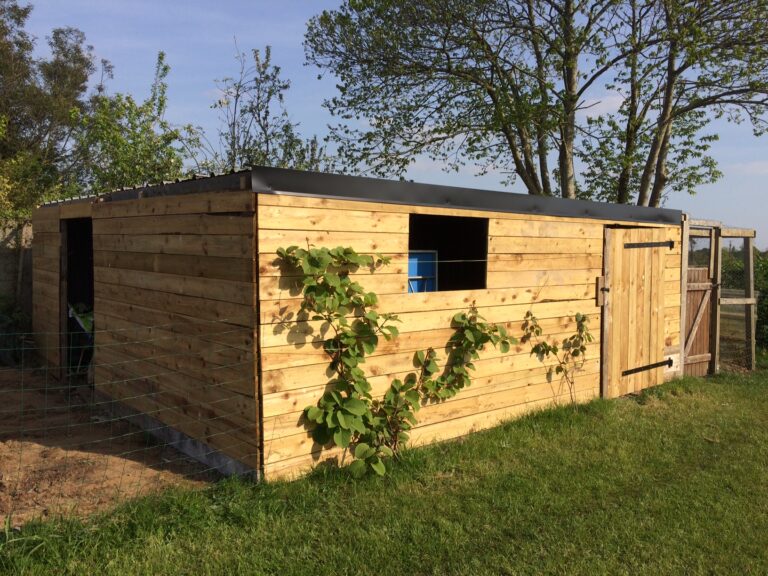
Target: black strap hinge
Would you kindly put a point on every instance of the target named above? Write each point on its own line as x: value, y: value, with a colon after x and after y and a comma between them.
x: 669, y: 244
x: 667, y: 362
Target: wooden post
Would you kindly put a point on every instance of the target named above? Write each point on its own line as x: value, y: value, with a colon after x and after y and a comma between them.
x: 750, y: 317
x: 684, y: 247
x: 606, y: 335
x: 717, y: 277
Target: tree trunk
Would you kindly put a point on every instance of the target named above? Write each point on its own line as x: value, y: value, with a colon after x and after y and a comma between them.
x: 661, y: 176
x: 657, y: 157
x: 541, y: 78
x: 570, y: 102
x: 623, y: 193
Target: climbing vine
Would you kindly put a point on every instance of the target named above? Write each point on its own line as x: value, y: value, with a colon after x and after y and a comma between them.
x: 568, y: 357
x: 347, y: 415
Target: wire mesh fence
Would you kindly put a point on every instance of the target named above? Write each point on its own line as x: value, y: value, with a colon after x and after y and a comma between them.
x: 108, y: 424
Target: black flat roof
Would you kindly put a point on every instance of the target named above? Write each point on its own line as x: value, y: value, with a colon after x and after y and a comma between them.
x: 264, y: 180
x: 322, y: 185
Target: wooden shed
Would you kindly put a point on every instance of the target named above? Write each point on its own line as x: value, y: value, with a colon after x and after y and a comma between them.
x: 193, y: 334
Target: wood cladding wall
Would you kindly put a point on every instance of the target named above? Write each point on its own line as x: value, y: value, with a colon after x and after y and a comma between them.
x: 545, y: 264
x: 174, y: 314
x: 196, y: 320
x: 46, y: 286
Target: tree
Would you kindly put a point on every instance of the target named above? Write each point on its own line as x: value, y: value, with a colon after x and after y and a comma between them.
x: 125, y: 143
x: 37, y: 99
x: 501, y: 83
x: 691, y: 62
x: 255, y: 126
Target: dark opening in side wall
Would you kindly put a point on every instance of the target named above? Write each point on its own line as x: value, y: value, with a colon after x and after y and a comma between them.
x: 79, y: 293
x: 458, y: 244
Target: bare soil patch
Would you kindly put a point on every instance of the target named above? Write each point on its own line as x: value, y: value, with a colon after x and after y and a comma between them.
x: 61, y: 454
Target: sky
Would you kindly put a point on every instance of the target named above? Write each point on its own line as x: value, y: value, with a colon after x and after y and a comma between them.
x: 198, y: 38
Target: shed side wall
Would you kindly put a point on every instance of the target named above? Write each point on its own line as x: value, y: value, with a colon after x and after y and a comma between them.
x: 46, y: 286
x: 174, y: 314
x: 545, y: 264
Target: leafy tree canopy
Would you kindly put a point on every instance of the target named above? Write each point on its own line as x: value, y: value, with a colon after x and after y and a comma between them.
x: 507, y: 85
x: 122, y: 142
x: 255, y: 128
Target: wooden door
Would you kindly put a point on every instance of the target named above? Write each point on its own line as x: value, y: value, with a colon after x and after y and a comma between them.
x: 633, y: 312
x: 700, y: 310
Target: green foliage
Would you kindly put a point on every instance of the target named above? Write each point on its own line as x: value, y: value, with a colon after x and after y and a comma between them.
x: 256, y: 129
x: 761, y: 286
x: 347, y: 415
x: 39, y: 102
x: 511, y: 85
x: 733, y: 277
x: 126, y: 143
x: 569, y: 356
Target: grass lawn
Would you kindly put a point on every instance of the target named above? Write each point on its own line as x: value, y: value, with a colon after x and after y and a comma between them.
x: 672, y: 482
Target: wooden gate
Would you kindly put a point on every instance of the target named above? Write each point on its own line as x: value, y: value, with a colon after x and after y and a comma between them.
x: 701, y: 308
x: 633, y: 313
x: 704, y: 297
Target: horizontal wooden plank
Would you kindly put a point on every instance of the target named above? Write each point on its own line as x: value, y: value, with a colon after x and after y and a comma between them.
x: 212, y: 401
x: 299, y: 218
x: 206, y: 224
x: 46, y: 239
x: 202, y: 308
x: 672, y: 274
x: 449, y: 429
x: 271, y: 265
x: 738, y: 301
x: 237, y: 269
x: 46, y: 226
x: 534, y: 229
x: 275, y: 381
x: 45, y: 276
x: 286, y: 402
x: 197, y: 359
x: 43, y: 291
x: 203, y: 203
x: 43, y: 250
x: 204, y: 245
x: 171, y: 409
x: 81, y: 209
x: 306, y: 332
x: 510, y: 245
x: 280, y: 357
x: 290, y: 287
x: 368, y: 242
x: 737, y: 233
x: 525, y: 262
x: 240, y: 337
x: 288, y: 199
x: 206, y: 288
x: 292, y: 423
x: 48, y: 213
x: 46, y: 264
x: 539, y: 278
x: 275, y: 311
x: 672, y: 261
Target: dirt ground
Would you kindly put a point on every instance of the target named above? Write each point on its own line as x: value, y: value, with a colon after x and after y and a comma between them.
x: 61, y: 455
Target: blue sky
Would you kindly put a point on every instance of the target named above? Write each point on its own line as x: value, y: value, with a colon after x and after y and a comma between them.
x: 198, y: 38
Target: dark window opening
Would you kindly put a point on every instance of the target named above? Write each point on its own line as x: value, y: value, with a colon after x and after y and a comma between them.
x: 447, y: 253
x: 79, y: 293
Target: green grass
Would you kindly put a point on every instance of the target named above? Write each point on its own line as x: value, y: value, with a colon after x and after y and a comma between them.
x: 672, y: 482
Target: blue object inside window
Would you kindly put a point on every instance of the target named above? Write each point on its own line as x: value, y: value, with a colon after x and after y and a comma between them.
x: 422, y: 271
